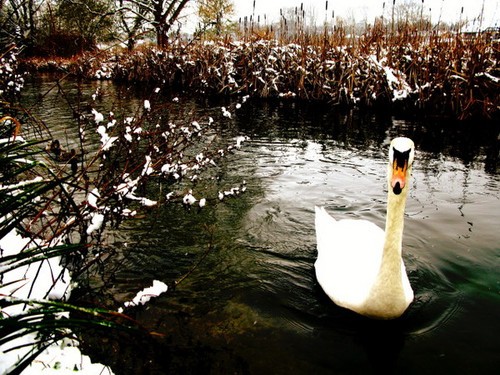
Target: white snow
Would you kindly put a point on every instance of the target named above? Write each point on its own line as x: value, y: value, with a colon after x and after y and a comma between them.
x: 147, y: 170
x: 44, y: 279
x: 93, y: 197
x: 189, y: 199
x: 98, y: 117
x: 62, y: 357
x: 106, y: 140
x: 202, y: 202
x: 240, y: 140
x: 225, y: 112
x: 148, y: 202
x: 96, y: 222
x: 146, y: 294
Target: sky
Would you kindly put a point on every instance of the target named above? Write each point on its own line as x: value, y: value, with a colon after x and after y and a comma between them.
x: 367, y: 10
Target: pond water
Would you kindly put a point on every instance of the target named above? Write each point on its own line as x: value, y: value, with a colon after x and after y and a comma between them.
x: 252, y: 304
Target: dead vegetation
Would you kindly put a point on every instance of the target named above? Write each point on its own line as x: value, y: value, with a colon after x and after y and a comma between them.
x: 433, y: 72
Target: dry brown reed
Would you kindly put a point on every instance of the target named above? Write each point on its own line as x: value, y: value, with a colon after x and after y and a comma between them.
x: 413, y: 68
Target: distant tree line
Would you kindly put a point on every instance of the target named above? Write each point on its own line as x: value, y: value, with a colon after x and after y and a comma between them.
x: 67, y: 27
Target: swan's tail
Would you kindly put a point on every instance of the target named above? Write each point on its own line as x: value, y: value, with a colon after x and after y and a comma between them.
x: 325, y: 225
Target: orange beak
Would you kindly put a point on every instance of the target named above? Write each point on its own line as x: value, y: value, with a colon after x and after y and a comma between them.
x: 398, y: 180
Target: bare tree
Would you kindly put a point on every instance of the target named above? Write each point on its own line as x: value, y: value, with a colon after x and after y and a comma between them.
x: 159, y: 14
x: 411, y: 12
x: 20, y: 20
x: 132, y: 18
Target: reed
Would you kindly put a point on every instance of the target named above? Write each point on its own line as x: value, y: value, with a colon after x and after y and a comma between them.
x: 422, y: 68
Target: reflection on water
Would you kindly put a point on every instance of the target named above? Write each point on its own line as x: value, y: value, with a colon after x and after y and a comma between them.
x: 253, y: 304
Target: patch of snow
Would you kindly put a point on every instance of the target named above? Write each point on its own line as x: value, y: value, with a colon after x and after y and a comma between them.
x: 189, y: 199
x: 203, y: 202
x: 146, y: 294
x: 98, y: 117
x: 92, y: 198
x: 225, y: 112
x: 96, y: 222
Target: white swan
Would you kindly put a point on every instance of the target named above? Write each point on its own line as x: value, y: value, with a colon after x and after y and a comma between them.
x: 359, y: 266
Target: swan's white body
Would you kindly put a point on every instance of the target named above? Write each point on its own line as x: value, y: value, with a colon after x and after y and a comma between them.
x: 359, y: 265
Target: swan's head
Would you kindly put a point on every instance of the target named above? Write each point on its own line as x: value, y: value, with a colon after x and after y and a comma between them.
x: 401, y: 153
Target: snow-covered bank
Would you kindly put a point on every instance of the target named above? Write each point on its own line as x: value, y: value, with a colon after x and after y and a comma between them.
x: 37, y: 280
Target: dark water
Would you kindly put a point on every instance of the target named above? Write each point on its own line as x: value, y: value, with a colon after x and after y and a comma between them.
x: 253, y: 306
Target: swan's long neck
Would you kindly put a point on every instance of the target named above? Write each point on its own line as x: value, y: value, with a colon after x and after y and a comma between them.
x: 394, y: 223
x: 387, y: 295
